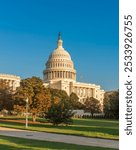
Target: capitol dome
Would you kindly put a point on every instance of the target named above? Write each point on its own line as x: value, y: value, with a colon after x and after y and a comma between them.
x: 58, y: 53
x: 59, y: 64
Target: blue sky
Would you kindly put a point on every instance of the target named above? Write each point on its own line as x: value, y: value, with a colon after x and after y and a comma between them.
x: 29, y: 30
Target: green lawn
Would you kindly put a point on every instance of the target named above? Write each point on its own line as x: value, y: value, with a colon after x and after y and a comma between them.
x: 81, y: 127
x: 10, y: 143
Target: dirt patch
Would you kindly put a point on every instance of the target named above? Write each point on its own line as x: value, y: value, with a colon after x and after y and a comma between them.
x: 21, y: 121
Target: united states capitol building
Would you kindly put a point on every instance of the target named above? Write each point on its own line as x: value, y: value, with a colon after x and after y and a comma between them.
x: 61, y: 74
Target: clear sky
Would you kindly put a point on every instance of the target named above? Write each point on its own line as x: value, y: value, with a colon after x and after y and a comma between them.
x: 29, y: 30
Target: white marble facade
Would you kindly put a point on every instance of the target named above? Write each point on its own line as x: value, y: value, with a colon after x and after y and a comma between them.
x: 11, y: 80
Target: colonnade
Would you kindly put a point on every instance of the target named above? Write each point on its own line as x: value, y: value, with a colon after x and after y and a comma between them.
x: 11, y: 83
x: 84, y: 92
x: 59, y: 64
x: 10, y: 80
x: 59, y: 74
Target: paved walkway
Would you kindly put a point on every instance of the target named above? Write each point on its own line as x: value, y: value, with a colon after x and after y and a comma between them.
x: 59, y: 138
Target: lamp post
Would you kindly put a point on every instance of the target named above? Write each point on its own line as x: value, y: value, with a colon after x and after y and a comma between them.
x: 26, y: 123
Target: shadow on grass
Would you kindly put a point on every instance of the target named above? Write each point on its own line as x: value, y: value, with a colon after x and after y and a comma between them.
x: 24, y: 144
x: 7, y: 147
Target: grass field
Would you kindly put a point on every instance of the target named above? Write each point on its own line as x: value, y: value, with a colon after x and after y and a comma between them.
x: 10, y: 143
x: 82, y: 127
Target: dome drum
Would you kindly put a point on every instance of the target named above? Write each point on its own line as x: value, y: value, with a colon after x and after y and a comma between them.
x: 59, y: 64
x: 57, y: 75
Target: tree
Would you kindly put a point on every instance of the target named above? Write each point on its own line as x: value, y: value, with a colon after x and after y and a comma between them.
x: 111, y: 104
x: 92, y: 106
x: 39, y: 97
x: 74, y: 100
x: 59, y: 93
x: 6, y: 101
x: 61, y: 110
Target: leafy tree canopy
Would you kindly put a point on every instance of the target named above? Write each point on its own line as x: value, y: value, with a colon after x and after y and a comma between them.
x: 59, y: 112
x: 38, y: 96
x: 74, y: 100
x: 92, y: 106
x: 111, y: 104
x: 6, y: 101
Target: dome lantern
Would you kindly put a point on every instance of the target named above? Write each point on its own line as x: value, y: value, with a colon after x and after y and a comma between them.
x: 59, y: 42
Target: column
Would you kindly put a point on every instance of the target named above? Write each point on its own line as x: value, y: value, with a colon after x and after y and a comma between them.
x: 52, y: 74
x: 63, y: 74
x: 84, y: 90
x: 13, y: 85
x: 60, y: 74
x: 94, y: 94
x: 70, y: 75
x: 57, y: 74
x: 9, y: 82
x: 88, y: 92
